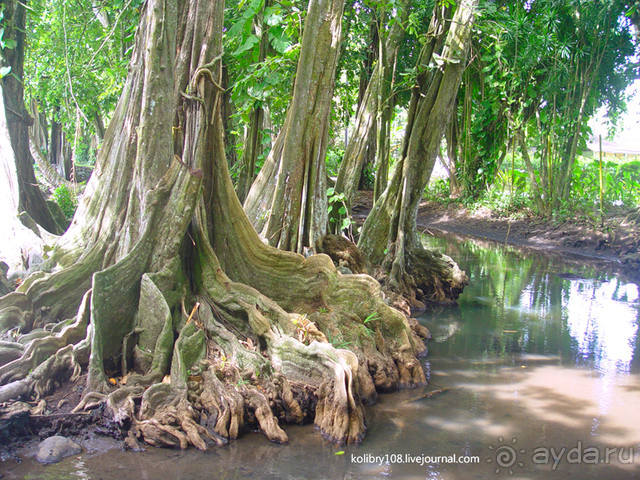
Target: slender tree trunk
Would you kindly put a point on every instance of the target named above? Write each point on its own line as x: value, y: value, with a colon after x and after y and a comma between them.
x: 253, y: 138
x: 252, y: 148
x: 287, y: 203
x: 98, y: 123
x: 170, y: 290
x: 59, y: 150
x: 537, y: 191
x: 383, y: 126
x: 38, y: 145
x: 18, y: 120
x: 373, y: 117
x: 227, y: 120
x: 451, y: 137
x: 390, y: 229
x: 365, y: 76
x: 360, y: 144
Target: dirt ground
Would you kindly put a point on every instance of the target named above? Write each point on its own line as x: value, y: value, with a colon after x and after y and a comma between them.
x: 617, y: 243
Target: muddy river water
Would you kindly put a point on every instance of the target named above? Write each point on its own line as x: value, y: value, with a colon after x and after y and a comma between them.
x: 539, y: 372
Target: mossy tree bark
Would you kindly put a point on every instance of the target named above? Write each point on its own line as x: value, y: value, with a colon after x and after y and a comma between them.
x: 287, y: 203
x: 389, y: 234
x: 374, y: 112
x: 18, y: 120
x: 165, y: 289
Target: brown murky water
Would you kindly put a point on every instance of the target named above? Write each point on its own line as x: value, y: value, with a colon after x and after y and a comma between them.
x: 541, y: 366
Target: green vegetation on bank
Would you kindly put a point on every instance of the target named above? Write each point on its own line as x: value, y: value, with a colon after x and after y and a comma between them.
x: 510, y: 194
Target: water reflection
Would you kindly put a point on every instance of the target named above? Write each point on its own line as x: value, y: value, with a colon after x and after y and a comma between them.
x: 538, y: 350
x: 518, y: 303
x: 603, y: 321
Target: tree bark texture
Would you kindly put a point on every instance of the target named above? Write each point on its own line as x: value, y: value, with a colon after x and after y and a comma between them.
x: 287, y: 203
x: 374, y: 114
x: 253, y: 138
x: 18, y: 120
x: 17, y: 242
x: 189, y: 326
x: 389, y: 234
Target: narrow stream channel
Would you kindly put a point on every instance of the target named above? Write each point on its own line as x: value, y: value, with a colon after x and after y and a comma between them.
x: 539, y: 367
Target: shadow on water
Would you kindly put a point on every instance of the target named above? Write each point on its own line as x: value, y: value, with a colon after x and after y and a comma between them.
x: 538, y: 355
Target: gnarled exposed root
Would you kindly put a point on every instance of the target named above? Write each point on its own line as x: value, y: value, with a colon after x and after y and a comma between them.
x: 423, y: 276
x: 332, y: 373
x: 55, y: 370
x: 262, y: 343
x: 42, y: 348
x: 267, y: 421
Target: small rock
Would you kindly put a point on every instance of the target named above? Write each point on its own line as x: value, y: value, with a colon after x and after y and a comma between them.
x: 54, y: 449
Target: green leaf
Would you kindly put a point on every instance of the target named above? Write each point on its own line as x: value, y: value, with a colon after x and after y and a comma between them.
x: 273, y: 19
x: 4, y: 71
x: 247, y: 45
x: 279, y: 40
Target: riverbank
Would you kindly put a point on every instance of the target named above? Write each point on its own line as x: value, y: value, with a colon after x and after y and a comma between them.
x: 616, y: 244
x: 530, y: 360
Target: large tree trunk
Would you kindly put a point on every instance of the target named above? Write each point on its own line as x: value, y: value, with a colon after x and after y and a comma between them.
x: 374, y: 114
x: 18, y: 120
x: 287, y: 203
x: 17, y: 242
x: 165, y: 283
x: 390, y: 229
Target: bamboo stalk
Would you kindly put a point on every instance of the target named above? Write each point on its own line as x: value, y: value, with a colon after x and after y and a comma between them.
x: 601, y: 184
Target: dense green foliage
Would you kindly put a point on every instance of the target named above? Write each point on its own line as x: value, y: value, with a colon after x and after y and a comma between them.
x: 66, y: 200
x: 76, y: 60
x: 510, y: 193
x: 538, y: 70
x: 541, y: 70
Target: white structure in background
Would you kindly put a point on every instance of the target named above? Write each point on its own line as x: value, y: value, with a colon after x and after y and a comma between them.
x: 626, y: 144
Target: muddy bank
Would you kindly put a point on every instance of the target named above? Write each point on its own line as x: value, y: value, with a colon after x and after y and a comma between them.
x: 616, y: 244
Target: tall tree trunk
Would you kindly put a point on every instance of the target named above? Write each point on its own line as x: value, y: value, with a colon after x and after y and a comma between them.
x: 38, y: 145
x: 227, y: 119
x: 59, y: 149
x: 287, y: 203
x: 163, y: 275
x: 383, y: 126
x: 253, y: 138
x: 390, y: 229
x: 365, y: 76
x: 17, y: 242
x: 374, y: 114
x: 98, y: 123
x: 252, y: 148
x: 18, y: 120
x: 451, y: 137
